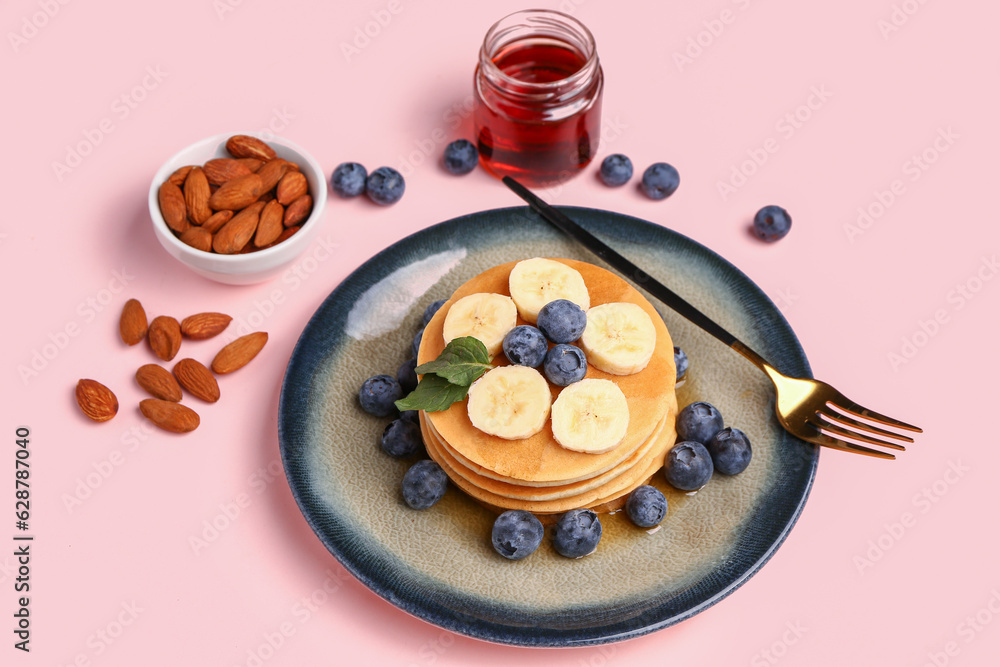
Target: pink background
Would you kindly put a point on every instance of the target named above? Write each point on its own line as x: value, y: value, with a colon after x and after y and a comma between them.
x: 875, y: 572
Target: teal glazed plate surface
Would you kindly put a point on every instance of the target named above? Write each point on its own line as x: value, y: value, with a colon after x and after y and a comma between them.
x: 438, y: 564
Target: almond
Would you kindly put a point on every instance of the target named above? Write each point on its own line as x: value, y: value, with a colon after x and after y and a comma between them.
x: 293, y: 166
x: 196, y: 194
x: 269, y: 227
x: 164, y: 337
x: 298, y: 211
x: 133, y: 323
x: 238, y: 193
x: 272, y: 172
x: 158, y: 381
x: 241, y: 145
x: 169, y: 416
x: 218, y: 219
x: 224, y: 169
x: 292, y: 186
x: 198, y: 237
x: 97, y: 401
x: 251, y: 163
x: 172, y: 206
x: 177, y: 178
x: 197, y: 380
x: 238, y: 354
x: 204, y: 325
x: 288, y: 232
x: 237, y: 232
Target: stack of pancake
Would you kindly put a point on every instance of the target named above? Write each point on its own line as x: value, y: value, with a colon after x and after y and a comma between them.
x: 536, y: 474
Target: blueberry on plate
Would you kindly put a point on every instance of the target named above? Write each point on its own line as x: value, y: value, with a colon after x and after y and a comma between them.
x: 348, y: 179
x: 646, y: 506
x: 385, y: 186
x: 517, y: 534
x: 660, y: 180
x: 698, y: 422
x: 565, y: 364
x: 460, y: 157
x: 379, y: 394
x: 688, y: 466
x: 525, y: 345
x: 406, y: 377
x: 424, y: 484
x: 771, y: 223
x: 577, y: 533
x: 681, y: 362
x: 562, y: 321
x: 401, y: 439
x: 432, y: 309
x: 730, y: 450
x: 616, y: 170
x: 412, y: 416
x: 419, y: 336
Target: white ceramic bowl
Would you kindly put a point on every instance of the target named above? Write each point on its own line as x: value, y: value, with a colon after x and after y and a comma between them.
x: 253, y: 267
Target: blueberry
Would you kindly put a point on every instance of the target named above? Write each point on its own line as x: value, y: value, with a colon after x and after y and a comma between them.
x: 660, y: 180
x: 348, y: 179
x: 516, y: 534
x: 646, y: 506
x: 616, y: 170
x: 385, y: 186
x: 577, y: 533
x: 681, y: 362
x: 688, y: 466
x: 416, y: 342
x: 424, y: 484
x: 771, y: 223
x: 730, y: 450
x: 565, y: 364
x: 698, y: 422
x: 460, y: 157
x: 406, y: 377
x: 412, y: 416
x: 378, y: 395
x: 562, y: 321
x: 431, y: 309
x: 525, y: 345
x: 401, y: 439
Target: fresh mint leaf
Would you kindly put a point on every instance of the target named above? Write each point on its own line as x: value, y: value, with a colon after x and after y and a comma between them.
x: 433, y: 394
x: 461, y: 362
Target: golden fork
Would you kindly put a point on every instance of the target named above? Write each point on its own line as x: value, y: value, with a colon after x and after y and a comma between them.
x: 808, y: 409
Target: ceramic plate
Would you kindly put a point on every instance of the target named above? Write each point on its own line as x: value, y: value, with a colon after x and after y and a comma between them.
x: 438, y: 564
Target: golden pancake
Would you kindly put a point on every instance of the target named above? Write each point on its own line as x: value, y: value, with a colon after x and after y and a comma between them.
x: 539, y: 460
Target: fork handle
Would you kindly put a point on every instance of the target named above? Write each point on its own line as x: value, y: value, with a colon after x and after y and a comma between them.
x: 640, y: 277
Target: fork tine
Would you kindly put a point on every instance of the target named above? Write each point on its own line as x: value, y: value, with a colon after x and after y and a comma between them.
x: 841, y: 433
x: 842, y: 420
x: 847, y: 405
x: 826, y: 440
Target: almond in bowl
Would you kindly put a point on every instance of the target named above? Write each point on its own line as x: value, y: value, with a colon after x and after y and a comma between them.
x: 237, y: 208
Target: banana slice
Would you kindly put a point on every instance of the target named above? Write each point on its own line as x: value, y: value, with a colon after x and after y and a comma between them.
x: 535, y: 282
x: 590, y: 416
x: 488, y: 317
x: 619, y: 338
x: 510, y: 402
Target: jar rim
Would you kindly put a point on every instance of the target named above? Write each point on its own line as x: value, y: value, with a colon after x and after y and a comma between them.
x: 544, y: 17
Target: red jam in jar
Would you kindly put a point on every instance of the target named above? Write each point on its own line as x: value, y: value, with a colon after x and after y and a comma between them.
x: 538, y: 97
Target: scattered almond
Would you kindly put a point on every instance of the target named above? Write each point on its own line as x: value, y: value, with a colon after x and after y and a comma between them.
x: 133, y: 323
x: 292, y: 186
x: 241, y: 145
x: 237, y: 232
x: 270, y: 226
x: 164, y: 337
x: 172, y: 206
x: 169, y: 416
x: 298, y: 211
x: 197, y: 380
x: 158, y: 381
x: 238, y: 193
x: 199, y: 237
x: 224, y: 169
x: 204, y: 325
x: 97, y: 401
x: 239, y: 353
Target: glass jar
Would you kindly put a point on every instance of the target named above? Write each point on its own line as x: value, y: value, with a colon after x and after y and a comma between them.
x: 538, y: 89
